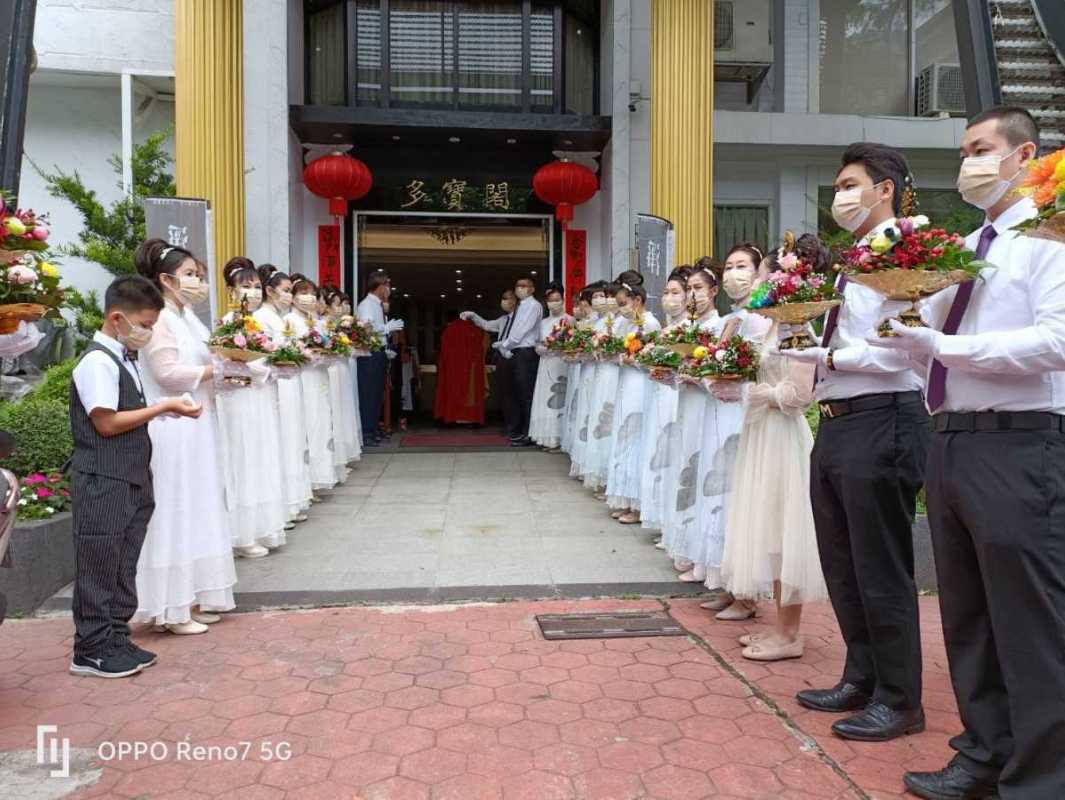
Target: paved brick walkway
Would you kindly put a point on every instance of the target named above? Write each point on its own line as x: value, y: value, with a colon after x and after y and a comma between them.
x: 462, y: 702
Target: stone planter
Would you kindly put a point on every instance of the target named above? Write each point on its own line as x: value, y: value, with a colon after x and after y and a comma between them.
x: 924, y: 566
x: 42, y: 556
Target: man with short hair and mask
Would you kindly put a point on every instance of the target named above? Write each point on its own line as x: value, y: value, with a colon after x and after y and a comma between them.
x: 373, y: 368
x: 500, y: 326
x: 867, y: 467
x: 995, y: 355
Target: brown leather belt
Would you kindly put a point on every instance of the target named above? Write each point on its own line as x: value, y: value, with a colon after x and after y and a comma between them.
x: 988, y: 421
x: 833, y: 409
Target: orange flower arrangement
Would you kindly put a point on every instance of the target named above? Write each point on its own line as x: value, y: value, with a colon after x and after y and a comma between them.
x: 1045, y: 184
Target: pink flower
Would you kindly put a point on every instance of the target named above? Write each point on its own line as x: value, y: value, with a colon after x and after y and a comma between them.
x: 865, y: 256
x: 21, y: 275
x: 40, y: 233
x: 240, y: 341
x: 788, y: 262
x: 34, y: 480
x: 44, y: 493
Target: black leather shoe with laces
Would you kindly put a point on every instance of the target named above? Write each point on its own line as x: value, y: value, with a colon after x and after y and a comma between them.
x: 842, y: 697
x: 953, y: 782
x: 880, y: 723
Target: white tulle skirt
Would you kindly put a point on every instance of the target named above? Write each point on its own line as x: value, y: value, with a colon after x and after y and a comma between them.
x: 316, y: 405
x: 295, y: 459
x: 601, y: 425
x: 680, y: 521
x: 354, y: 372
x: 248, y: 422
x: 770, y: 534
x: 549, y: 401
x: 660, y: 444
x: 722, y: 423
x: 581, y: 432
x: 187, y: 557
x: 625, y: 469
x: 345, y: 444
x: 569, y: 418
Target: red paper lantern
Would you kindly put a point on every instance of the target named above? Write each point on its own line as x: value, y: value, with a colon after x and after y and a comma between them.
x: 565, y: 184
x: 339, y: 177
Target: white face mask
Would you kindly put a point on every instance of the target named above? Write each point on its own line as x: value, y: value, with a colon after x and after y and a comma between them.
x: 307, y: 303
x: 702, y: 301
x: 611, y: 305
x: 848, y: 211
x: 522, y: 292
x: 384, y: 307
x: 980, y: 181
x: 137, y: 337
x: 254, y: 297
x: 738, y: 282
x: 283, y: 301
x: 507, y: 305
x: 599, y: 304
x: 628, y: 312
x: 555, y: 307
x: 190, y: 290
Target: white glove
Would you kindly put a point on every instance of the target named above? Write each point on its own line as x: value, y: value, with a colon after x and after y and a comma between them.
x: 505, y: 353
x: 467, y: 315
x: 496, y: 345
x: 541, y: 350
x: 394, y: 325
x: 919, y: 342
x: 725, y: 391
x: 259, y: 371
x: 24, y: 339
x: 390, y: 354
x: 811, y: 355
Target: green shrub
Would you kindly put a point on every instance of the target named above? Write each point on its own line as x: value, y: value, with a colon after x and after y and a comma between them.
x: 42, y: 435
x: 56, y: 385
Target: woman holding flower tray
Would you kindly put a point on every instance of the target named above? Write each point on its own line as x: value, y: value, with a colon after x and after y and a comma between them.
x: 586, y: 381
x: 567, y: 342
x: 249, y: 419
x: 286, y: 360
x: 608, y: 347
x: 549, y: 398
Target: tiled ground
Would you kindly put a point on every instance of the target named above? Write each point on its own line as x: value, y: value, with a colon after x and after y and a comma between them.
x: 463, y: 702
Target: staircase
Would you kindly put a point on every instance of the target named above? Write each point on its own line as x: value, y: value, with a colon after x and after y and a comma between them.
x: 1030, y: 72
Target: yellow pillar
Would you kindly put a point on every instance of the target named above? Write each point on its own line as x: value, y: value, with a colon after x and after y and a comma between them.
x: 682, y: 102
x: 209, y: 88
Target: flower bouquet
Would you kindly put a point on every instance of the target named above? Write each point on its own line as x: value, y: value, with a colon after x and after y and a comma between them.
x: 29, y: 285
x: 42, y: 496
x: 339, y: 345
x: 910, y: 261
x: 554, y: 342
x: 315, y: 342
x: 21, y: 232
x: 572, y: 341
x: 240, y: 337
x: 731, y: 359
x: 794, y: 295
x: 659, y: 358
x: 1045, y: 184
x: 287, y: 354
x: 361, y: 335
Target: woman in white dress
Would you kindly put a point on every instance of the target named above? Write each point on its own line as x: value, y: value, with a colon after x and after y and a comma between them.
x: 583, y: 317
x: 770, y: 544
x: 660, y: 429
x: 353, y: 382
x: 625, y: 467
x: 287, y: 388
x: 249, y: 420
x: 549, y: 397
x: 185, y: 571
x: 341, y: 386
x: 314, y: 379
x: 586, y: 384
x: 600, y: 420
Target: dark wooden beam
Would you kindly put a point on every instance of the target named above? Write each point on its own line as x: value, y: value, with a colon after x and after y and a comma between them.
x: 16, y: 63
x: 1051, y: 15
x: 976, y: 53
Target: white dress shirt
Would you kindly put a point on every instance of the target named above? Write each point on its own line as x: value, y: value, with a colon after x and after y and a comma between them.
x: 372, y: 310
x: 96, y: 376
x: 859, y: 367
x: 525, y: 331
x: 1009, y: 352
x: 496, y: 326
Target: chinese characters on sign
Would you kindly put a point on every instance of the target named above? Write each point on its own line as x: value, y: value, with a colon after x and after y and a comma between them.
x: 177, y: 235
x: 576, y: 263
x: 458, y: 195
x: 329, y: 255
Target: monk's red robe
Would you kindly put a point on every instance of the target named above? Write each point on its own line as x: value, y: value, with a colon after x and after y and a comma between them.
x: 460, y: 374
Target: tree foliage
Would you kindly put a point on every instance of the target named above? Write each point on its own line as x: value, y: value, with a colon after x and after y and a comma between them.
x: 111, y: 234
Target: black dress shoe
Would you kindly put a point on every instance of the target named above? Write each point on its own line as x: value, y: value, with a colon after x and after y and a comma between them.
x: 842, y: 697
x: 880, y: 723
x: 526, y: 442
x: 953, y: 782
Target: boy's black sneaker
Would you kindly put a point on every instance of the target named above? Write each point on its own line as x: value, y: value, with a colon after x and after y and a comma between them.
x: 112, y: 664
x: 145, y: 658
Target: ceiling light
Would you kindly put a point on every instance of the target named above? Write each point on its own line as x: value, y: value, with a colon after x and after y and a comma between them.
x: 458, y: 280
x: 533, y: 272
x: 406, y: 295
x: 458, y: 272
x: 459, y: 289
x: 480, y: 296
x: 512, y: 141
x: 443, y: 296
x: 454, y: 140
x: 395, y: 138
x: 567, y: 142
x: 338, y: 136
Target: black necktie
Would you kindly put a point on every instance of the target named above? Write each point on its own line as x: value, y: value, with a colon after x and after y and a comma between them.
x: 506, y: 329
x: 129, y: 355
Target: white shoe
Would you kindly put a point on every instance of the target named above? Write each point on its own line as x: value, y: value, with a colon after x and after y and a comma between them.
x: 301, y: 517
x: 289, y: 525
x: 660, y: 545
x: 315, y: 499
x: 205, y: 617
x: 184, y: 628
x: 251, y: 551
x: 682, y: 564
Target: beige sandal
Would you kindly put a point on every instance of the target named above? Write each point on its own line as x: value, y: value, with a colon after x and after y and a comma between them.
x: 763, y: 652
x: 630, y: 518
x: 617, y: 514
x: 720, y: 602
x: 739, y: 611
x: 751, y: 638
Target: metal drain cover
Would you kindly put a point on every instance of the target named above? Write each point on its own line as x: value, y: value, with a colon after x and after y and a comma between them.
x: 609, y: 626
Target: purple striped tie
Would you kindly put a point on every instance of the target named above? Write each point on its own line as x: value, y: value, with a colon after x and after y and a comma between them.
x: 833, y: 315
x: 937, y: 375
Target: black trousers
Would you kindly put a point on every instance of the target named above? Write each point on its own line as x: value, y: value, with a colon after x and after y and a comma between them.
x: 504, y: 372
x: 371, y: 370
x: 866, y: 470
x: 526, y: 363
x: 996, y: 505
x: 110, y: 520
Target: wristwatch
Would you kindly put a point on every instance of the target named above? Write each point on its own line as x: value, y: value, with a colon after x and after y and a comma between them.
x: 828, y: 360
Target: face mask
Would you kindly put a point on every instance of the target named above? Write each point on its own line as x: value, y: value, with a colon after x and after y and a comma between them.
x: 979, y: 180
x: 384, y: 307
x: 599, y: 304
x: 346, y: 309
x: 737, y: 283
x: 283, y: 300
x: 555, y: 307
x: 848, y: 211
x: 628, y: 312
x: 673, y: 306
x: 702, y: 301
x: 580, y: 312
x: 611, y: 305
x: 137, y: 337
x: 522, y: 292
x: 507, y: 305
x: 307, y: 303
x: 190, y: 291
x: 254, y: 297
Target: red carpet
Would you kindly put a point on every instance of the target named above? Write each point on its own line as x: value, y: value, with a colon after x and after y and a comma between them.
x: 454, y: 439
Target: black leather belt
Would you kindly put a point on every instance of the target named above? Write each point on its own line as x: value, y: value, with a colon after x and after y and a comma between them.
x: 831, y: 409
x: 984, y: 421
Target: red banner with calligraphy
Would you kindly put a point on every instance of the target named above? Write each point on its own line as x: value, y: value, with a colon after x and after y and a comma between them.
x: 329, y: 255
x: 576, y: 264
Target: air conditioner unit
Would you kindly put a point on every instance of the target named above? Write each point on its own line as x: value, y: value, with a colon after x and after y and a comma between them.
x: 741, y: 32
x: 940, y: 91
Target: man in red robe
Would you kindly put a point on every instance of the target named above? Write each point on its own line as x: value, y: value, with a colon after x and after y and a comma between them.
x: 460, y: 374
